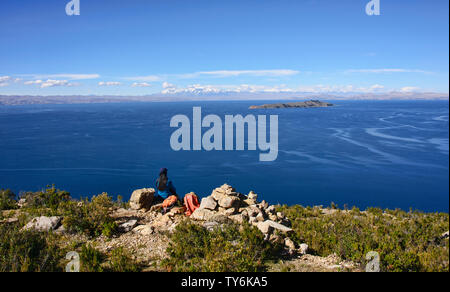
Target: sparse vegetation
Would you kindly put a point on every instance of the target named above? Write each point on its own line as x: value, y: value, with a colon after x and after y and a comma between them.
x: 27, y: 251
x: 231, y: 248
x: 406, y: 241
x: 7, y: 200
x: 90, y: 217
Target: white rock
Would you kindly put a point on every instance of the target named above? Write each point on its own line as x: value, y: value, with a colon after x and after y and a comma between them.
x: 278, y: 226
x: 202, y: 214
x: 238, y: 218
x: 260, y: 217
x: 144, y: 229
x: 289, y: 243
x: 43, y: 223
x: 208, y: 203
x: 128, y: 226
x: 252, y: 196
x: 228, y: 202
x: 271, y: 210
x: 303, y: 249
x: 264, y: 227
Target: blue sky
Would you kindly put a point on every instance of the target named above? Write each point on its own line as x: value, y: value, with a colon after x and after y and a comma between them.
x: 138, y: 47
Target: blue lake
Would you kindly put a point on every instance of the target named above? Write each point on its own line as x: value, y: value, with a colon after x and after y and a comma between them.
x: 389, y: 154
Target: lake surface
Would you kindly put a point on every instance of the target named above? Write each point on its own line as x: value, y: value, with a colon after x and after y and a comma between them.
x: 390, y: 154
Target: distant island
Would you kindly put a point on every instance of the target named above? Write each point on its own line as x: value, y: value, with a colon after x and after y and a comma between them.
x: 299, y: 104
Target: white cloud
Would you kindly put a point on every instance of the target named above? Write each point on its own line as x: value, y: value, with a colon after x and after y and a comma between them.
x: 169, y: 88
x: 109, y: 83
x: 378, y: 71
x: 167, y: 85
x: 408, y: 89
x: 31, y: 82
x: 4, y: 81
x: 141, y: 84
x: 216, y: 89
x: 62, y: 76
x: 50, y: 83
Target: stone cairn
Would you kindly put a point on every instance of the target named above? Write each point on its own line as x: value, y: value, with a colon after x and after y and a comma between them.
x: 226, y: 204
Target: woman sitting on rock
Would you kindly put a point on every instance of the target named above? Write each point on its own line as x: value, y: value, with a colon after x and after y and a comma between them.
x: 166, y: 191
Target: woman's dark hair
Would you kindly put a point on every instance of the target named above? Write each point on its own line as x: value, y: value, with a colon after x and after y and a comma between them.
x: 163, y: 179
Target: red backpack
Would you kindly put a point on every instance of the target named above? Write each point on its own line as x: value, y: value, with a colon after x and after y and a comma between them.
x: 191, y: 203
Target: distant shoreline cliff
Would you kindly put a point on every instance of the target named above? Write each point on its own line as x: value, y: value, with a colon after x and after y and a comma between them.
x: 300, y: 104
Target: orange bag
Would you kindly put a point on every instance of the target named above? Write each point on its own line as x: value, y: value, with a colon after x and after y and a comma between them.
x: 170, y: 201
x: 191, y: 203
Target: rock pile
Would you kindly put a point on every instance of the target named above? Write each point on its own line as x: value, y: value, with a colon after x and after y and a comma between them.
x: 226, y: 204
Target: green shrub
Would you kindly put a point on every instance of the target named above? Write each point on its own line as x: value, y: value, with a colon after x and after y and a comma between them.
x: 90, y: 217
x: 405, y: 241
x: 121, y: 261
x: 91, y: 259
x: 7, y: 200
x: 45, y: 202
x: 227, y: 249
x: 27, y: 251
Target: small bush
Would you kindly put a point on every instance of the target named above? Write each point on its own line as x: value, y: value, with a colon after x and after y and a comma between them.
x: 51, y: 199
x: 227, y: 249
x: 121, y: 261
x: 7, y: 200
x: 91, y: 259
x: 27, y: 251
x: 90, y: 217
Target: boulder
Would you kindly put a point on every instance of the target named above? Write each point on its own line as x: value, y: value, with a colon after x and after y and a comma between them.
x: 250, y: 202
x: 289, y: 243
x: 280, y: 215
x: 253, y: 211
x: 144, y: 229
x: 203, y: 214
x: 263, y: 205
x: 229, y: 212
x: 43, y: 223
x: 208, y: 203
x: 303, y: 249
x: 278, y: 226
x: 128, y: 226
x: 260, y: 217
x: 22, y: 203
x: 252, y: 196
x: 271, y: 210
x: 264, y: 227
x: 220, y: 218
x: 142, y: 199
x: 273, y: 217
x: 238, y: 218
x: 229, y: 202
